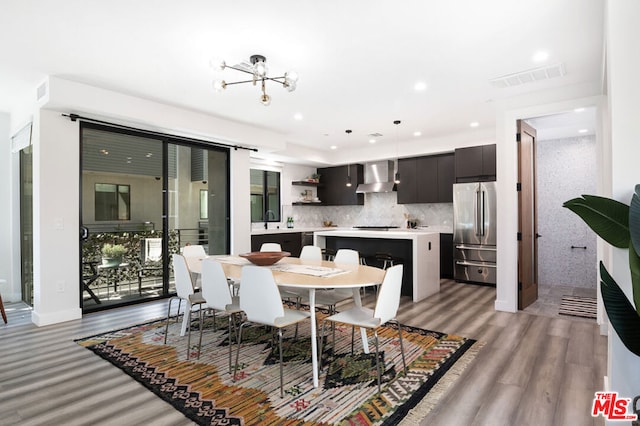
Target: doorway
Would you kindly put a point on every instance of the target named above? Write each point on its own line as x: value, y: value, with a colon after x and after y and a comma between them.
x: 566, y: 167
x: 143, y: 198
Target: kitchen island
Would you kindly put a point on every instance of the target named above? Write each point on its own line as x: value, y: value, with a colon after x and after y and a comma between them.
x: 418, y: 250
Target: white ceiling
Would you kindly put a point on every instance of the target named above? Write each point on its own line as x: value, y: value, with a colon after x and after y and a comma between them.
x: 358, y: 60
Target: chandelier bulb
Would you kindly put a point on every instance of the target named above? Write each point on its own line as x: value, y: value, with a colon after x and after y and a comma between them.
x: 219, y: 85
x: 265, y: 99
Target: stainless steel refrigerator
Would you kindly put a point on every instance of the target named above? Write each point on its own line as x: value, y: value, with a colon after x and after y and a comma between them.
x: 474, y: 232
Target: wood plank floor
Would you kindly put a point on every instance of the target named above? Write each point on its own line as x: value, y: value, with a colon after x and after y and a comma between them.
x: 532, y: 370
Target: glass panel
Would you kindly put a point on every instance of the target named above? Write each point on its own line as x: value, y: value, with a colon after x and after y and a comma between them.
x: 115, y: 165
x: 198, y: 199
x: 26, y: 224
x: 265, y: 196
x: 273, y: 196
x: 204, y: 205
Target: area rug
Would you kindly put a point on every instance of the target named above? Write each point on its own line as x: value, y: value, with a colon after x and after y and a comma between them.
x: 578, y: 306
x: 205, y: 392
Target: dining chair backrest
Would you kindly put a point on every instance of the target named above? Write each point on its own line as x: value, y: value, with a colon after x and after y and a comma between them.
x: 389, y: 296
x: 259, y: 296
x: 311, y: 253
x: 193, y: 251
x: 347, y: 256
x: 182, y: 275
x: 214, y: 285
x: 152, y: 249
x: 270, y: 247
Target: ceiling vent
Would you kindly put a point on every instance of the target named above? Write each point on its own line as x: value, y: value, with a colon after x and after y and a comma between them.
x: 375, y: 135
x: 529, y: 76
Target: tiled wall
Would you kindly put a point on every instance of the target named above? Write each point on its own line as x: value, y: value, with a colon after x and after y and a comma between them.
x: 566, y: 168
x: 378, y: 209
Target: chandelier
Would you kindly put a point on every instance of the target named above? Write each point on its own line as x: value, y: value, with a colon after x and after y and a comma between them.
x: 258, y: 71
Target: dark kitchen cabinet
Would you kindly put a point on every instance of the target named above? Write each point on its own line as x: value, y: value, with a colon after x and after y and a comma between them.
x: 407, y: 188
x: 446, y: 178
x: 426, y: 179
x: 289, y: 241
x: 333, y: 190
x: 446, y: 256
x: 475, y: 163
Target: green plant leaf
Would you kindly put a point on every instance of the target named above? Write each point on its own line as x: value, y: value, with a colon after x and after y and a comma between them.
x: 606, y: 217
x: 634, y: 265
x: 624, y: 318
x: 634, y: 220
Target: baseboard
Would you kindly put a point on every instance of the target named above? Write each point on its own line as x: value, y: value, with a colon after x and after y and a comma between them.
x: 503, y: 305
x: 55, y: 317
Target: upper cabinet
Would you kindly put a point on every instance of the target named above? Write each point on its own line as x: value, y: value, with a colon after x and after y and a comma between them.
x: 333, y: 190
x: 426, y: 179
x: 475, y: 163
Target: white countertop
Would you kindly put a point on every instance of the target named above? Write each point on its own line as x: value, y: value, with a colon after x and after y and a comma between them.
x: 392, y: 233
x: 397, y: 234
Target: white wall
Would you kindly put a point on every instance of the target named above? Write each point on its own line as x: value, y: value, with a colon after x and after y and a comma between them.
x: 56, y: 212
x: 623, y: 68
x: 10, y: 290
x: 565, y: 169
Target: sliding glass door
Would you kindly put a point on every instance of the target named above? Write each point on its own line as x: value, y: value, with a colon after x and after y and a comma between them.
x: 144, y: 197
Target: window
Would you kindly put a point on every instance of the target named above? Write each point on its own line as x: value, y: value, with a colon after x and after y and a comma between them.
x: 112, y: 202
x: 204, y: 204
x: 265, y: 196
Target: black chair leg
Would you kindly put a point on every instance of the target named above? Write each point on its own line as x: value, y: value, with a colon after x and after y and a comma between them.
x: 377, y: 360
x: 404, y: 365
x: 281, y: 375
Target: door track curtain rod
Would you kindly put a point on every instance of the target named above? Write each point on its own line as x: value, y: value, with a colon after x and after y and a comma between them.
x: 76, y: 117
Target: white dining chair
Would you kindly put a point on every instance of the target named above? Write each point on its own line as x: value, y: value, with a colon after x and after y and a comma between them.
x: 184, y: 291
x: 260, y: 300
x: 385, y: 311
x: 193, y: 251
x: 311, y: 253
x: 216, y: 292
x: 331, y: 298
x: 270, y: 247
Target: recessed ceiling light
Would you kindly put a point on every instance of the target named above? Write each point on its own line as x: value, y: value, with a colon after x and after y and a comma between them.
x: 540, y: 56
x: 578, y: 110
x: 334, y: 147
x: 474, y: 124
x: 298, y: 116
x: 417, y: 133
x: 583, y: 130
x: 420, y: 86
x: 372, y: 140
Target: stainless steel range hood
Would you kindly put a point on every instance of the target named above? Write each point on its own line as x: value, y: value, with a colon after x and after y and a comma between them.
x: 378, y: 177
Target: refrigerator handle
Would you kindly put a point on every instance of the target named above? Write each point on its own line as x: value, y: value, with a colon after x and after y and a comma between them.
x: 481, y: 206
x: 477, y: 209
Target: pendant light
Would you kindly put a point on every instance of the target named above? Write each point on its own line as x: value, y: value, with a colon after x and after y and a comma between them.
x: 348, y: 132
x: 397, y: 176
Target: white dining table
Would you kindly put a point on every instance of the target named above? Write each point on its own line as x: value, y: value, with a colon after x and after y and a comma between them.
x: 310, y: 275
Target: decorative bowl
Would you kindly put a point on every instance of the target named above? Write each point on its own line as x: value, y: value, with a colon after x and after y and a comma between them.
x: 265, y: 258
x: 327, y: 223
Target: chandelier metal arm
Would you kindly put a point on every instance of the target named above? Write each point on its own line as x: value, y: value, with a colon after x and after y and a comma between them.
x: 240, y: 82
x: 238, y: 69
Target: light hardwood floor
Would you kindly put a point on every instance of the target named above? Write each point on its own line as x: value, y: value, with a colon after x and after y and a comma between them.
x: 532, y: 370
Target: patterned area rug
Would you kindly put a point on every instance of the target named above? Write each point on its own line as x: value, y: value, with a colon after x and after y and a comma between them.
x: 204, y: 391
x: 578, y: 306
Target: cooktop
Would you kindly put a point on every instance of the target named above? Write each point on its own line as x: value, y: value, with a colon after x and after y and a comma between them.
x: 376, y: 227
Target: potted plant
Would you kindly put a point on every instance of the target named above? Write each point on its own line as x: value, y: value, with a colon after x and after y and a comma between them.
x: 619, y: 225
x: 112, y: 254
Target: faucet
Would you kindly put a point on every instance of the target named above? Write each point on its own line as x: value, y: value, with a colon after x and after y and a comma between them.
x: 266, y: 217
